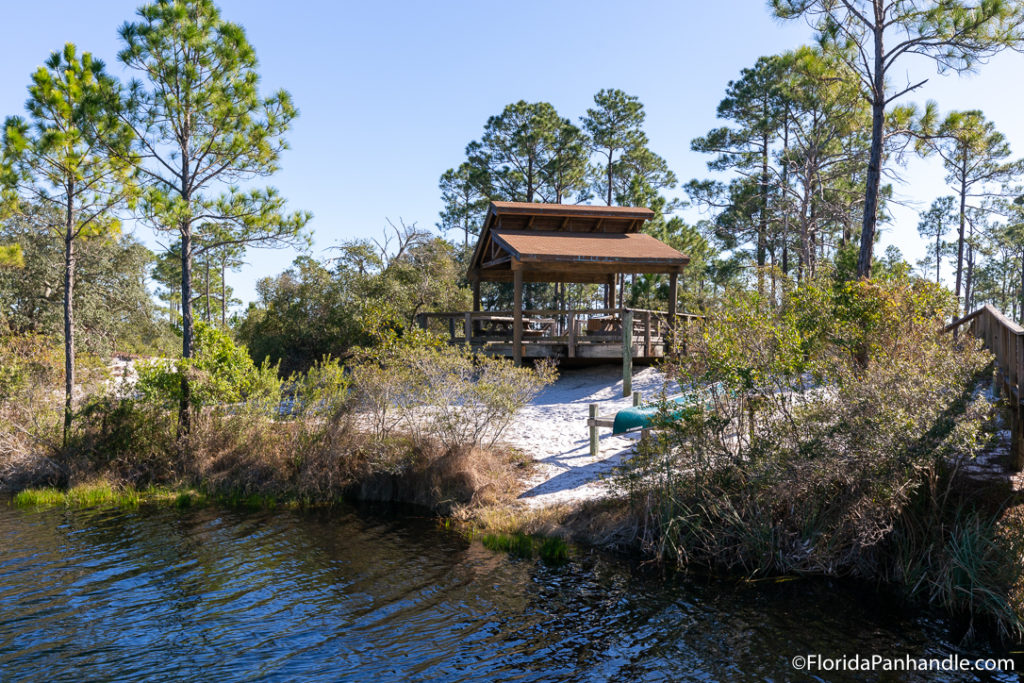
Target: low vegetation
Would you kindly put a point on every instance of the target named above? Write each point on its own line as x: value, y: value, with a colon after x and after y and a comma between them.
x: 830, y: 440
x: 383, y: 426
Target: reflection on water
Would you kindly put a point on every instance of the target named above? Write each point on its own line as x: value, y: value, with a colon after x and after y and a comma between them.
x: 358, y: 595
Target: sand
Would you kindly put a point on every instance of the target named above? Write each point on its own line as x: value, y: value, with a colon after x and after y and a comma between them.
x: 553, y: 431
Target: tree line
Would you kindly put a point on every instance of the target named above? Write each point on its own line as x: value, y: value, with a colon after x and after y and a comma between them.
x: 800, y: 178
x: 802, y: 167
x: 171, y: 149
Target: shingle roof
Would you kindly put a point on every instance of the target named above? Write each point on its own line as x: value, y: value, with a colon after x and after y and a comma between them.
x: 581, y: 210
x: 588, y: 247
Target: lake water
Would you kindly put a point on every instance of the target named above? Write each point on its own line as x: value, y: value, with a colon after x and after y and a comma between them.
x: 368, y: 595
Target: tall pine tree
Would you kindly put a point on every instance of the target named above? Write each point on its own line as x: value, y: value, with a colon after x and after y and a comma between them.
x: 203, y: 127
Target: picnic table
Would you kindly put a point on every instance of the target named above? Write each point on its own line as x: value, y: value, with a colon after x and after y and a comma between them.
x: 532, y: 327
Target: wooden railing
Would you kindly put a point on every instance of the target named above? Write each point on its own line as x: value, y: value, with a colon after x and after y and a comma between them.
x: 601, y: 334
x: 1004, y: 338
x: 559, y: 326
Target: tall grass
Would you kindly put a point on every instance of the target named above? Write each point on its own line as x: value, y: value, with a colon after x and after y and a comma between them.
x: 100, y: 494
x: 550, y: 549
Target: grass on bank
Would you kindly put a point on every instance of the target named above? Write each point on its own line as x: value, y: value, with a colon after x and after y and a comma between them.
x: 550, y: 549
x: 100, y: 494
x: 103, y: 494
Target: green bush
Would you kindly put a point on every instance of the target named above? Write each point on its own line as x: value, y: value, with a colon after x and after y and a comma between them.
x: 820, y: 427
x: 323, y: 390
x: 220, y: 372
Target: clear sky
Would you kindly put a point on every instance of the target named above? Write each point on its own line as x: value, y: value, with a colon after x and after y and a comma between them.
x: 391, y: 92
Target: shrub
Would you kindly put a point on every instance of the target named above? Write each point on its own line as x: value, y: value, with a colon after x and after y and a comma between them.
x: 323, y: 390
x: 470, y: 399
x: 817, y: 429
x: 446, y: 393
x: 410, y: 379
x: 221, y: 372
x: 132, y: 441
x: 31, y: 407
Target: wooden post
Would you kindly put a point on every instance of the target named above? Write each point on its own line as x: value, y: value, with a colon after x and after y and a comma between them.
x: 476, y: 297
x: 593, y: 430
x: 451, y: 327
x: 647, y: 334
x: 627, y: 352
x: 469, y: 329
x: 638, y: 396
x: 572, y: 335
x: 517, y: 314
x: 1016, y: 440
x: 1018, y: 360
x: 673, y: 293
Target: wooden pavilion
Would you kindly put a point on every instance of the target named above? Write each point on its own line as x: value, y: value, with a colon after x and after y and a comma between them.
x: 563, y: 243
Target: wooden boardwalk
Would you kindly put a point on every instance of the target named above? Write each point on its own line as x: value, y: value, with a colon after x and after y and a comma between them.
x: 1005, y: 339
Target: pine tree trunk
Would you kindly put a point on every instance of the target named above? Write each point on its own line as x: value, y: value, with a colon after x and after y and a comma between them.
x: 206, y: 268
x: 805, y: 240
x: 874, y: 179
x: 529, y: 181
x: 968, y: 280
x: 184, y: 407
x: 1021, y: 307
x: 762, y: 221
x: 960, y: 234
x: 610, y: 153
x: 223, y: 294
x: 785, y: 189
x: 69, y: 316
x: 812, y: 236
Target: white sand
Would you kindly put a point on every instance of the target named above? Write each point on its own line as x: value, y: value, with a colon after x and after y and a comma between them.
x: 553, y: 429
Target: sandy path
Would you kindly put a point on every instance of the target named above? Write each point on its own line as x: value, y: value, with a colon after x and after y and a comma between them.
x: 553, y: 429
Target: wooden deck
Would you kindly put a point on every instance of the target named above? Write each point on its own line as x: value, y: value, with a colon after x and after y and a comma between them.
x: 582, y: 335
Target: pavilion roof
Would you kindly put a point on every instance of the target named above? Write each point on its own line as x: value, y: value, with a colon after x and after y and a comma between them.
x: 568, y: 243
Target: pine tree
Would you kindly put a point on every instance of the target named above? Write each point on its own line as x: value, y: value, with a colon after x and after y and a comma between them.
x: 203, y: 127
x: 615, y: 125
x: 72, y: 154
x: 935, y: 223
x: 974, y: 155
x: 513, y: 150
x: 875, y: 37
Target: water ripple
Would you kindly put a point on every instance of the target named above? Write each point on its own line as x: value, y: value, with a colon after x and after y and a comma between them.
x: 207, y: 594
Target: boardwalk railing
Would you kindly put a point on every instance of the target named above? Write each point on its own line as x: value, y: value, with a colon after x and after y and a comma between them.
x: 591, y: 335
x: 1005, y: 339
x: 1002, y: 337
x: 566, y: 333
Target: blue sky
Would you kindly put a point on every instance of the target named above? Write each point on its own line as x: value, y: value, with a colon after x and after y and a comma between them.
x: 390, y: 93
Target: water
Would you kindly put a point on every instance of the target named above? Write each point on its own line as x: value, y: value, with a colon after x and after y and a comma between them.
x: 210, y: 594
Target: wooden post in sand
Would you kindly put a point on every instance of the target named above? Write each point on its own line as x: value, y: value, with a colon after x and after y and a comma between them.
x: 593, y: 430
x: 517, y: 313
x: 627, y: 352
